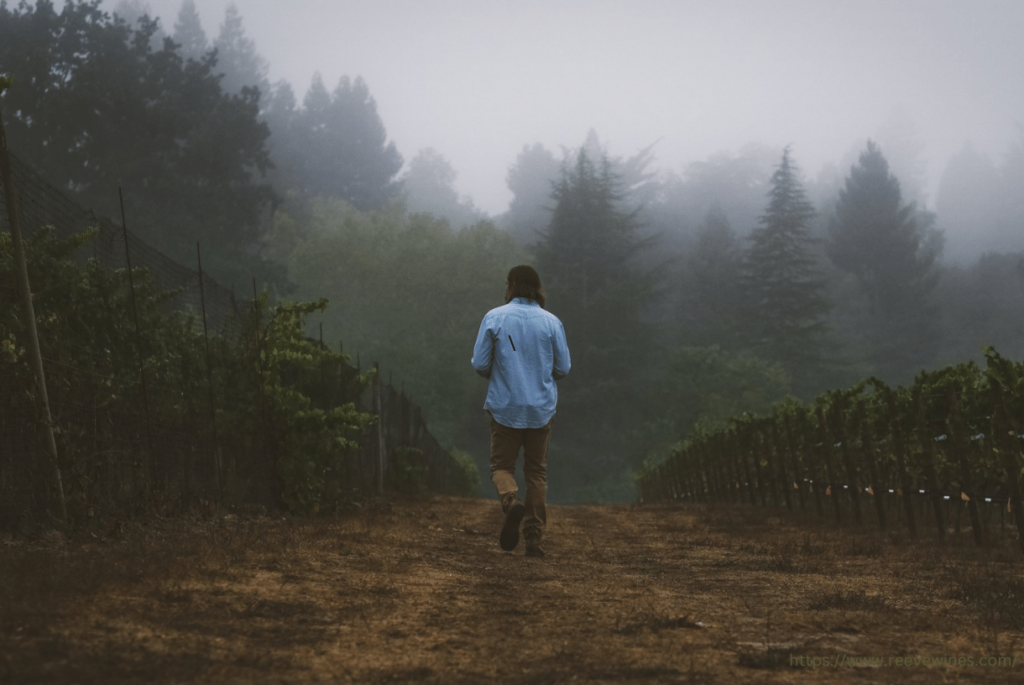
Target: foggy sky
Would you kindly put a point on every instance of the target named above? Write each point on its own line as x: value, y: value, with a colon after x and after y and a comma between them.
x: 477, y: 79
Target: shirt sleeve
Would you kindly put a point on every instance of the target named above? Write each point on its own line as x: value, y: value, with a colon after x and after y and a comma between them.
x: 562, y: 363
x: 483, y: 351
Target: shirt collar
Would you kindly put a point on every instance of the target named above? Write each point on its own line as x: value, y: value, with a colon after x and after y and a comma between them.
x: 523, y: 300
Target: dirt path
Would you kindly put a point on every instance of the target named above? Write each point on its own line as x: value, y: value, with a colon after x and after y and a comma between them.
x: 419, y: 591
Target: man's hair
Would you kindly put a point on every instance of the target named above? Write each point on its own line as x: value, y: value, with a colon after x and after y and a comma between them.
x: 525, y: 282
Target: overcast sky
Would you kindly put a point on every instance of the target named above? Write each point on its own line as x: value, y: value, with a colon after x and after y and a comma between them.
x: 478, y: 79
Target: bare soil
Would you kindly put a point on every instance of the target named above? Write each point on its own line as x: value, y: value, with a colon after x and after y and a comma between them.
x: 418, y: 591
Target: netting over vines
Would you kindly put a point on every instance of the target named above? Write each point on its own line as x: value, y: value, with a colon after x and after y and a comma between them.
x: 167, y: 390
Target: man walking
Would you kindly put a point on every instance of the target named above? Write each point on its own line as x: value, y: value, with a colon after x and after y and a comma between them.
x: 521, y: 349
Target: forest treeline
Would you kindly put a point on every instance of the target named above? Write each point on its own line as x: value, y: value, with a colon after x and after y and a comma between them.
x: 687, y: 297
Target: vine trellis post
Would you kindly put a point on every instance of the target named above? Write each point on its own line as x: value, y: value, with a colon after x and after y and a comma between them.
x: 33, y: 335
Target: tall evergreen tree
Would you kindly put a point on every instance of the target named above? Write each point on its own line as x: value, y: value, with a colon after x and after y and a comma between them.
x: 589, y: 243
x: 94, y: 108
x: 132, y: 11
x: 189, y: 33
x: 634, y: 178
x: 710, y: 309
x: 429, y: 188
x: 531, y: 180
x: 335, y: 145
x: 237, y: 58
x: 883, y: 244
x: 784, y: 287
x: 585, y: 259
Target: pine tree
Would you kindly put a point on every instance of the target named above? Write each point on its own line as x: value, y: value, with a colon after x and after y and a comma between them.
x: 710, y: 306
x: 885, y: 246
x: 337, y: 146
x: 585, y: 260
x: 105, y: 110
x: 189, y: 33
x: 531, y: 179
x: 134, y: 11
x: 784, y: 287
x: 589, y: 242
x: 429, y: 188
x: 237, y: 58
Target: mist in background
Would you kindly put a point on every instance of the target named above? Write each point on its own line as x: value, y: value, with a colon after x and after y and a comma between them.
x: 476, y: 81
x: 729, y: 203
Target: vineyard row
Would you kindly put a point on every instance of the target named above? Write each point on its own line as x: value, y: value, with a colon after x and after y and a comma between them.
x: 954, y: 435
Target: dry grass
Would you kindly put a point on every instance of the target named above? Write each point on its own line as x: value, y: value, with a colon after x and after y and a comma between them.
x: 418, y: 591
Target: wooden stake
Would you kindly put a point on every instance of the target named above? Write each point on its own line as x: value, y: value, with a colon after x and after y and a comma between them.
x: 30, y: 317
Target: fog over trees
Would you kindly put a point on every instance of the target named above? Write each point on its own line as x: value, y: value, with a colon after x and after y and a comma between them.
x: 688, y: 296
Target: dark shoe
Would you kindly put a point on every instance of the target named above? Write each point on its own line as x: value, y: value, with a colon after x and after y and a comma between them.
x: 510, y: 531
x: 533, y: 548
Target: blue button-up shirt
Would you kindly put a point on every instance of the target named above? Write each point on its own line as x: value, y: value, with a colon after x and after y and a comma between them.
x: 521, y: 348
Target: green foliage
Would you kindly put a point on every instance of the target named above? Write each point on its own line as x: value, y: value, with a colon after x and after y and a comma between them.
x: 710, y: 308
x: 408, y: 473
x: 237, y: 58
x: 429, y: 187
x: 409, y: 289
x: 784, y: 288
x: 189, y: 33
x: 585, y: 259
x: 335, y: 145
x: 88, y: 337
x: 469, y: 474
x: 736, y: 183
x: 312, y: 446
x: 956, y: 429
x: 107, y: 110
x: 702, y: 387
x: 877, y: 238
x: 891, y: 251
x: 981, y: 305
x: 530, y: 179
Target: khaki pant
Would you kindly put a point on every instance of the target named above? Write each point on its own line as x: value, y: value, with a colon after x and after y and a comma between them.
x: 505, y: 444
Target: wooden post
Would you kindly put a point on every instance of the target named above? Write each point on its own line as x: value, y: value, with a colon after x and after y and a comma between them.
x: 721, y: 474
x: 697, y: 470
x: 960, y: 446
x: 710, y: 472
x: 1008, y: 440
x: 815, y: 467
x: 901, y: 461
x: 743, y: 453
x: 752, y: 451
x: 826, y: 447
x: 775, y: 452
x: 928, y: 444
x: 30, y: 318
x: 377, y: 405
x: 763, y: 453
x: 674, y: 479
x: 840, y: 432
x: 794, y: 460
x: 867, y: 444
